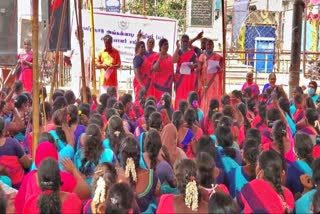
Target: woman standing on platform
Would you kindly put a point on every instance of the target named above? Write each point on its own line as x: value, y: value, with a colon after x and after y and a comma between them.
x: 25, y: 63
x: 162, y: 71
x: 211, y: 69
x: 142, y: 67
x: 184, y: 83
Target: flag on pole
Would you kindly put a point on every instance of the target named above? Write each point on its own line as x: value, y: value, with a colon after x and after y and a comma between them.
x: 55, y: 4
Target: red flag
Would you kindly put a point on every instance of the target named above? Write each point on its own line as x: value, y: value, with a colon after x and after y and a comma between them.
x: 55, y: 4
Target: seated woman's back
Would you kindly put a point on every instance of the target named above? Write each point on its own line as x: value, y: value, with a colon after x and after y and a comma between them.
x: 266, y: 192
x: 189, y: 199
x: 144, y: 182
x: 51, y: 199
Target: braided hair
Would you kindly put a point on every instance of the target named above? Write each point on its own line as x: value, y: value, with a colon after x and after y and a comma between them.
x: 148, y: 110
x: 205, y: 166
x: 60, y: 117
x: 262, y: 111
x: 50, y: 182
x: 250, y: 154
x: 116, y: 133
x: 72, y: 116
x: 279, y: 130
x: 271, y: 164
x: 177, y: 119
x: 243, y: 110
x: 152, y: 145
x: 103, y: 99
x: 108, y: 173
x: 303, y: 147
x: 185, y: 171
x: 129, y: 150
x: 92, y: 149
x: 190, y: 116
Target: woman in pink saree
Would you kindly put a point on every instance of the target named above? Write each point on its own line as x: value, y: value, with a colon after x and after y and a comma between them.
x: 184, y: 83
x: 211, y: 69
x: 25, y: 63
x: 162, y: 71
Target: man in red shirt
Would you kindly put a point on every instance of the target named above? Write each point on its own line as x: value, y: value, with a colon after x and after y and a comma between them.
x: 108, y: 61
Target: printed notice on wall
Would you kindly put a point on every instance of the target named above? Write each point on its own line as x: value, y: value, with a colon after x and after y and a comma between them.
x: 202, y: 13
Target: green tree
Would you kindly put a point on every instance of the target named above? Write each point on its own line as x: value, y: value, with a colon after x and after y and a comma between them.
x: 175, y: 9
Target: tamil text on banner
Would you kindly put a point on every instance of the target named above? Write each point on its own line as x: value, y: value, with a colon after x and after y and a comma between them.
x: 124, y: 28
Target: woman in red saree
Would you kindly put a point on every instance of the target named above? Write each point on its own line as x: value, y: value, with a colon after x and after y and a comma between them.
x: 142, y: 67
x: 51, y: 199
x: 12, y: 157
x: 25, y: 63
x: 70, y: 182
x: 266, y: 194
x: 211, y: 69
x: 184, y: 83
x: 163, y: 74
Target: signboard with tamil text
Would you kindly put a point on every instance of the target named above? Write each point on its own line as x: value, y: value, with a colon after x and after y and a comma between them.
x: 124, y: 28
x: 202, y: 13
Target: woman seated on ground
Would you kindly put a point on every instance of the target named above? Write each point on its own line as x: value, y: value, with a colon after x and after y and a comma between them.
x: 169, y: 140
x: 304, y: 204
x: 190, y: 118
x: 241, y: 175
x: 144, y: 182
x: 121, y: 199
x: 51, y: 198
x: 189, y: 199
x: 60, y: 120
x: 73, y: 122
x: 12, y: 157
x: 185, y: 134
x: 115, y: 134
x: 207, y: 172
x: 299, y: 172
x: 92, y: 153
x: 72, y: 180
x: 208, y: 124
x: 105, y: 175
x: 281, y: 143
x: 154, y: 158
x: 266, y: 188
x: 221, y: 203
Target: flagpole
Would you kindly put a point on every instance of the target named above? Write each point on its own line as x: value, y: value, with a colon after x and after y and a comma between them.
x: 93, y: 57
x: 224, y: 43
x: 80, y: 37
x: 55, y: 72
x: 35, y: 70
